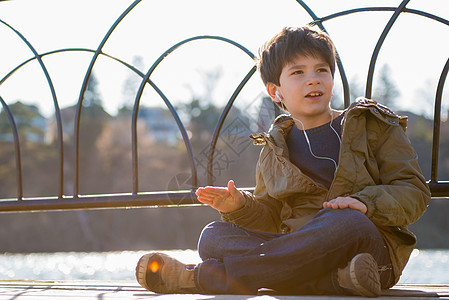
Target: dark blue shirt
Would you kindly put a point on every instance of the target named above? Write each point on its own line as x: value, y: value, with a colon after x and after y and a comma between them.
x: 324, y: 143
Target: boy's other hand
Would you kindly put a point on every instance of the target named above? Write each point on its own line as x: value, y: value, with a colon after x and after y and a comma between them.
x: 346, y: 202
x: 221, y: 198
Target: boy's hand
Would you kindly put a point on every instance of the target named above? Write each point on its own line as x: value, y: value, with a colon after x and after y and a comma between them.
x: 222, y: 199
x: 346, y: 202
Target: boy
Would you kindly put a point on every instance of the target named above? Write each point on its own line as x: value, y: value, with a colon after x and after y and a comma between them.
x: 334, y: 193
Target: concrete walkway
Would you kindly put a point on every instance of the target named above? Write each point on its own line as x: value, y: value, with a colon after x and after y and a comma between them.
x: 104, y: 290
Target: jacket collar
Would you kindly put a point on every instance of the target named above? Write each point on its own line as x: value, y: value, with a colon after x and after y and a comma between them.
x: 276, y: 136
x: 283, y: 123
x: 380, y: 111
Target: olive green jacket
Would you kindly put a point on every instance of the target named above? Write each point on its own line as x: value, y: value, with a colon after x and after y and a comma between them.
x: 377, y: 165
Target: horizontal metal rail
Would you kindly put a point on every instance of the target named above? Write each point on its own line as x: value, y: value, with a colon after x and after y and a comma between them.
x: 439, y: 189
x: 151, y: 199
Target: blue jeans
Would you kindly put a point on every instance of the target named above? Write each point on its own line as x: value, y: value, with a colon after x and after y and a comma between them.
x: 238, y: 260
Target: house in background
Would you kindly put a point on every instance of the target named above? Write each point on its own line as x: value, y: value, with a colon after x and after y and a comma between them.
x: 160, y: 125
x: 31, y: 125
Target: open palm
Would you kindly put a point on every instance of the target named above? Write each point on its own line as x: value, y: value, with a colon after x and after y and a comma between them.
x: 223, y: 199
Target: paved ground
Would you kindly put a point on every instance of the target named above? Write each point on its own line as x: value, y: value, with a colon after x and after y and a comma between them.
x: 105, y: 290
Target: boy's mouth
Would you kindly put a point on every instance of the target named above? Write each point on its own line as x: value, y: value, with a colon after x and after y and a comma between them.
x: 314, y: 94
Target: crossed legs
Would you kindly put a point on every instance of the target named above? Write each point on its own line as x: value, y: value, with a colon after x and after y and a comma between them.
x: 241, y: 260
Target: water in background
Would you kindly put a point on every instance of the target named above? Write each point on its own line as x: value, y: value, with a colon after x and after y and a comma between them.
x: 425, y: 266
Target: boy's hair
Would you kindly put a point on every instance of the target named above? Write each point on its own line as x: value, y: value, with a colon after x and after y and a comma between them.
x: 287, y: 45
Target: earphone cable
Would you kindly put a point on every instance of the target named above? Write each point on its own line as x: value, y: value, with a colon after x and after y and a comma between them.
x: 310, y: 146
x: 307, y: 137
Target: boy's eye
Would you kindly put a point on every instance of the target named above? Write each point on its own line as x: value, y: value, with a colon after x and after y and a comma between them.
x: 322, y: 70
x: 298, y: 72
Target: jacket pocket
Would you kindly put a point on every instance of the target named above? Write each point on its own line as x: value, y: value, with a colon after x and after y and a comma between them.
x: 406, y: 236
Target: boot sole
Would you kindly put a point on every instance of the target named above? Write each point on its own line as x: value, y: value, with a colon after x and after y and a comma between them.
x: 364, y: 275
x: 148, y: 279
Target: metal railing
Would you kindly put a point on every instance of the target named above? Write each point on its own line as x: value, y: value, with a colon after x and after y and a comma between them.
x: 136, y: 198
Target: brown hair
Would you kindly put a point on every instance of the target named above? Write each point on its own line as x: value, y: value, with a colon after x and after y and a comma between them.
x: 287, y: 45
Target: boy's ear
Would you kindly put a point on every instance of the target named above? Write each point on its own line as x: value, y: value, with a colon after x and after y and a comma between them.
x: 271, y: 89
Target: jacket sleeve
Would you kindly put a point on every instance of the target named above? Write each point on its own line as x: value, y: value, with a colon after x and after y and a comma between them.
x: 403, y: 194
x: 260, y: 212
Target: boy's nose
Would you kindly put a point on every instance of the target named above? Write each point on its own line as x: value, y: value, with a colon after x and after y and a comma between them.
x: 312, y: 78
x: 313, y: 81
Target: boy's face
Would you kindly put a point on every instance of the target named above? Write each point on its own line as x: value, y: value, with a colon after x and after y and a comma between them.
x: 305, y: 89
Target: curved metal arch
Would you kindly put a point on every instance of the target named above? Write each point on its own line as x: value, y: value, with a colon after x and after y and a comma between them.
x: 134, y: 135
x: 387, y: 28
x: 374, y: 9
x: 437, y: 122
x: 18, y: 155
x: 341, y: 69
x: 427, y: 15
x: 171, y: 108
x: 129, y: 66
x: 319, y: 21
x: 369, y: 80
x: 55, y: 103
x: 84, y: 87
x: 42, y: 55
x: 221, y: 122
x: 70, y: 50
x: 15, y: 69
x: 355, y: 10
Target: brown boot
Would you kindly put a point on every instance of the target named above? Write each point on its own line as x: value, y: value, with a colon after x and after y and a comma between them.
x: 160, y: 273
x: 361, y: 276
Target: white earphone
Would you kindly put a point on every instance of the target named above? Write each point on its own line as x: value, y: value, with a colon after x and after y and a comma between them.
x: 277, y: 95
x: 307, y: 137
